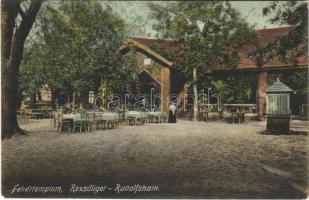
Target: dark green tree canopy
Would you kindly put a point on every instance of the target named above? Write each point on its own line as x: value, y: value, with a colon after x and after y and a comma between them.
x: 292, y: 45
x: 75, y: 46
x: 209, y: 32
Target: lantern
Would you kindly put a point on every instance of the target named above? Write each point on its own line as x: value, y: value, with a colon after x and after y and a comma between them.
x: 278, y: 107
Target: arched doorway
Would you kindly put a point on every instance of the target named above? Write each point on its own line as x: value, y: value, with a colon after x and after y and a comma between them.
x: 150, y: 88
x: 164, y: 85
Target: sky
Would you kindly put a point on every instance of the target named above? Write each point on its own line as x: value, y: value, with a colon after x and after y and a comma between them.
x: 137, y: 12
x: 252, y: 10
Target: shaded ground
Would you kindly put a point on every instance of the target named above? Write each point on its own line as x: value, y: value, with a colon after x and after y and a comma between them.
x: 186, y: 160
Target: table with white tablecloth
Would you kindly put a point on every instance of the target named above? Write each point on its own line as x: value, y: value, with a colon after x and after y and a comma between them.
x: 157, y: 115
x: 107, y: 116
x: 91, y: 120
x: 73, y: 117
x: 99, y: 120
x: 136, y: 117
x: 136, y: 114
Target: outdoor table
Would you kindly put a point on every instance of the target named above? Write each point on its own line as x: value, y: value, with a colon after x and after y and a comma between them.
x: 109, y: 116
x: 69, y: 119
x: 102, y: 116
x: 73, y: 117
x: 136, y: 117
x: 212, y: 116
x: 108, y: 119
x: 155, y: 113
x: 159, y: 115
x: 239, y: 116
x: 203, y: 116
x: 136, y: 114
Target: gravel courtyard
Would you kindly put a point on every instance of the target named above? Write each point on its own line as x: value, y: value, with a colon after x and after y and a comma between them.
x: 185, y: 160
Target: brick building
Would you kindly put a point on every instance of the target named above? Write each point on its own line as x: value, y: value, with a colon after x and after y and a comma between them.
x: 169, y: 81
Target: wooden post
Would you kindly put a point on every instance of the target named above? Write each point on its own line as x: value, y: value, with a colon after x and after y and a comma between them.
x: 261, y: 101
x: 165, y: 87
x: 195, y: 106
x: 138, y: 87
x: 183, y: 92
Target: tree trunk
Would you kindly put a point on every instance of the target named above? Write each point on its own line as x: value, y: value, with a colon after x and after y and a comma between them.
x: 54, y: 96
x: 32, y: 100
x: 84, y: 97
x: 74, y: 100
x: 8, y: 98
x: 12, y: 46
x: 20, y: 99
x: 195, y: 107
x: 261, y: 104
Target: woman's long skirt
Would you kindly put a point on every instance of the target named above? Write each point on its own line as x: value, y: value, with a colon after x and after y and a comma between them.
x: 171, y: 117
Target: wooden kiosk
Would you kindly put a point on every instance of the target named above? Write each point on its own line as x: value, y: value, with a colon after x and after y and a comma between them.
x: 278, y: 107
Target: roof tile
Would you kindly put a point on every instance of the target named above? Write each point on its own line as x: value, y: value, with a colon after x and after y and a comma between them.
x: 265, y: 36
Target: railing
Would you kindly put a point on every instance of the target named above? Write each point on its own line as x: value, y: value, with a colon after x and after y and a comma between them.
x: 26, y: 116
x: 245, y: 108
x: 211, y: 112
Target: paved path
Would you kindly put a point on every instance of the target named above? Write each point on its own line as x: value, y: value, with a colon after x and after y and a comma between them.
x: 186, y: 159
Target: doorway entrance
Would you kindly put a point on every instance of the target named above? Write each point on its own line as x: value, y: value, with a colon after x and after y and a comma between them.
x: 150, y: 88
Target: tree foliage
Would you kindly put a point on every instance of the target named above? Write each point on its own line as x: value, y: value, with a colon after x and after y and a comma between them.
x: 292, y: 45
x: 232, y: 88
x: 209, y: 32
x: 17, y: 18
x: 75, y: 46
x: 161, y: 50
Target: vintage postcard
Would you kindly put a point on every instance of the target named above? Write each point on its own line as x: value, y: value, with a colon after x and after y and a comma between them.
x: 154, y: 99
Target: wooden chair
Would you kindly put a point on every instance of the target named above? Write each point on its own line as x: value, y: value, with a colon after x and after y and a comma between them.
x: 101, y: 124
x: 228, y: 117
x: 82, y: 124
x: 98, y: 118
x: 140, y: 121
x: 131, y: 121
x: 163, y: 118
x: 92, y: 122
x: 189, y: 116
x: 63, y: 123
x: 151, y: 118
x: 54, y: 118
x: 120, y: 121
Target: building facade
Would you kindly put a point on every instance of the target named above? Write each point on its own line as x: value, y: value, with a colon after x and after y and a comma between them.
x: 163, y: 71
